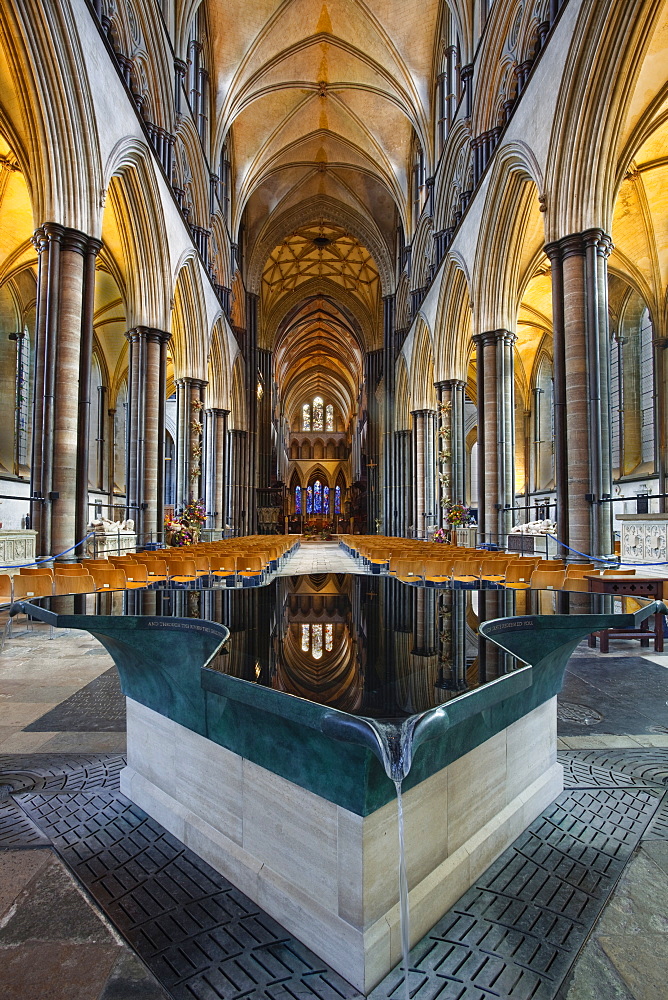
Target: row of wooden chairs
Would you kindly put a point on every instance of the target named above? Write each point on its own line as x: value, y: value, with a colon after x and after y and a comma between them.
x: 245, y: 560
x: 418, y: 563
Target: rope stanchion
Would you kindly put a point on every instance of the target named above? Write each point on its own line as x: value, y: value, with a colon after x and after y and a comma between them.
x: 37, y: 562
x: 601, y: 559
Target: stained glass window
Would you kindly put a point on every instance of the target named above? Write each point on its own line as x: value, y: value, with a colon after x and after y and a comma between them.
x: 306, y: 417
x: 306, y: 638
x: 309, y: 500
x: 316, y: 642
x: 318, y: 424
x: 317, y: 497
x: 337, y: 500
x: 298, y: 500
x: 325, y: 500
x: 329, y: 417
x: 329, y: 638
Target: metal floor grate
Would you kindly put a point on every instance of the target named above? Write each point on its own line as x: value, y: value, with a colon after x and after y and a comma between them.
x: 514, y: 934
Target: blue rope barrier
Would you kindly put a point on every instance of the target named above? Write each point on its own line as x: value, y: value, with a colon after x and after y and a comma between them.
x: 600, y: 559
x: 36, y: 562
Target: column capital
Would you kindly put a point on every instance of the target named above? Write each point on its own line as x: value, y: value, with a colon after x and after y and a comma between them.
x: 494, y: 337
x: 576, y: 245
x: 450, y: 383
x: 426, y: 412
x: 218, y: 411
x: 69, y: 239
x: 148, y: 333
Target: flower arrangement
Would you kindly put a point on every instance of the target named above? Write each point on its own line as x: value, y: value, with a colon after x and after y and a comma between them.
x: 196, y: 426
x: 458, y: 515
x: 185, y: 529
x: 440, y: 535
x: 197, y: 405
x: 312, y: 531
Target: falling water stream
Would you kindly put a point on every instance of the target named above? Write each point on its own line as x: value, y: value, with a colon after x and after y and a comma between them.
x: 404, y: 915
x: 394, y: 743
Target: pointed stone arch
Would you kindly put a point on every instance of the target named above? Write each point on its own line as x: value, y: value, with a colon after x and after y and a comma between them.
x: 511, y: 234
x: 134, y: 197
x: 422, y: 369
x: 218, y: 391
x: 189, y: 325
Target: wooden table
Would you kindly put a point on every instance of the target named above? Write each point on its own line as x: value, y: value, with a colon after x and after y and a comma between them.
x: 650, y: 587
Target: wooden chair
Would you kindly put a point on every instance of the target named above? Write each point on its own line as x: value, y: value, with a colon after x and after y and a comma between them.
x: 225, y: 568
x: 182, y: 570
x: 250, y: 569
x: 409, y: 571
x: 437, y: 572
x: 466, y: 571
x: 36, y: 571
x: 547, y: 579
x: 5, y: 588
x: 27, y: 586
x: 69, y: 583
x: 109, y: 578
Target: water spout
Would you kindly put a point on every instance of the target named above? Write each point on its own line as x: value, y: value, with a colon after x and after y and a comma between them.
x: 394, y: 744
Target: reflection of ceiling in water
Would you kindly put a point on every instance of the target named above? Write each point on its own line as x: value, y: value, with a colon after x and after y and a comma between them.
x: 319, y: 662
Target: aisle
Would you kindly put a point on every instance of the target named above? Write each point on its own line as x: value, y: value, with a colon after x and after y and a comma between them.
x: 320, y: 557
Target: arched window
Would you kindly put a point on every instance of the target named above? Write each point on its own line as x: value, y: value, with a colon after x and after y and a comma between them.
x: 448, y: 83
x: 317, y: 497
x: 325, y: 501
x: 316, y: 642
x: 312, y: 640
x: 418, y: 181
x: 224, y: 176
x: 309, y: 500
x: 96, y: 425
x: 544, y: 427
x: 316, y: 416
x: 198, y: 78
x: 337, y: 500
x: 318, y: 424
x: 632, y: 391
x: 298, y: 500
x: 22, y: 397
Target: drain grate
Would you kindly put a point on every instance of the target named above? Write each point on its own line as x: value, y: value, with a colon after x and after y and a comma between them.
x: 16, y: 830
x: 61, y: 772
x: 515, y: 933
x: 197, y: 933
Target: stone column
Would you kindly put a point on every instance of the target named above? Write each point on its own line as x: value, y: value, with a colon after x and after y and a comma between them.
x: 189, y: 440
x: 451, y: 443
x: 216, y: 465
x: 145, y: 457
x: 583, y: 463
x: 373, y: 373
x: 496, y: 433
x: 85, y: 362
x: 266, y: 453
x: 249, y: 478
x: 389, y: 469
x: 424, y: 469
x: 65, y: 290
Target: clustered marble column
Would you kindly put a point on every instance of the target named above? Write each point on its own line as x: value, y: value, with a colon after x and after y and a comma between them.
x: 496, y: 433
x: 64, y: 332
x: 451, y: 443
x: 583, y: 464
x: 424, y: 469
x: 189, y: 443
x: 215, y: 466
x: 145, y: 452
